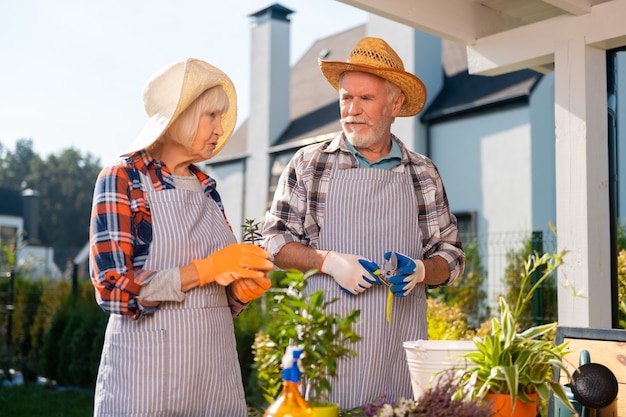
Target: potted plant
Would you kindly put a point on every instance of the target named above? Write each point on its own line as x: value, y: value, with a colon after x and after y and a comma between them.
x: 301, y: 318
x: 520, y: 365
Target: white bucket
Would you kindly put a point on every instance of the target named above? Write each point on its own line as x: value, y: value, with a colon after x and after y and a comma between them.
x: 428, y: 358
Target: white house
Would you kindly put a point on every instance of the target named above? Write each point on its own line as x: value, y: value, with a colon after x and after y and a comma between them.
x: 20, y: 231
x: 492, y: 137
x: 579, y: 42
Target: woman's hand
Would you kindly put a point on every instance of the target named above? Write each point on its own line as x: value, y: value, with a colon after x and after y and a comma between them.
x: 235, y: 261
x: 247, y: 289
x: 147, y: 303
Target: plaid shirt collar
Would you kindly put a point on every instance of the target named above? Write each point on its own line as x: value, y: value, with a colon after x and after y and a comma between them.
x: 143, y: 161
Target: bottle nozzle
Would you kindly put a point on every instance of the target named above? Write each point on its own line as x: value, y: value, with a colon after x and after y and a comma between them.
x: 291, y: 371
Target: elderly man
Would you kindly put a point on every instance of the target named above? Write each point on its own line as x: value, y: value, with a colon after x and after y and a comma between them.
x: 361, y: 201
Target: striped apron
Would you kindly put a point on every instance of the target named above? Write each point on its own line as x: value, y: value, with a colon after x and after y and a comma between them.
x: 369, y: 212
x: 181, y: 361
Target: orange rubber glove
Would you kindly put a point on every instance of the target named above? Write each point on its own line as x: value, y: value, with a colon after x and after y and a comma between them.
x: 247, y: 289
x: 235, y: 261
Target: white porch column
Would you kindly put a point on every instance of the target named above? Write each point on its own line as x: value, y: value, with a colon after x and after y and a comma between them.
x: 582, y: 193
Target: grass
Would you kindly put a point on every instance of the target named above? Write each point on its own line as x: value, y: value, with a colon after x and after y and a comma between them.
x: 34, y: 400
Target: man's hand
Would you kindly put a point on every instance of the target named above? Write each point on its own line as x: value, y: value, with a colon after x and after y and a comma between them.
x: 410, y: 273
x: 354, y: 274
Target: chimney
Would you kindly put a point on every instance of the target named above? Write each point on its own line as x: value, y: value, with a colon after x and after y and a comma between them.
x: 270, y: 75
x: 30, y: 200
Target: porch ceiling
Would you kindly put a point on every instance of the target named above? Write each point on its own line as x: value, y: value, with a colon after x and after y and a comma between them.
x: 484, y: 26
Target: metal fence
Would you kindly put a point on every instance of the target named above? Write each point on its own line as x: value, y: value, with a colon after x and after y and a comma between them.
x: 496, y: 251
x: 7, y: 280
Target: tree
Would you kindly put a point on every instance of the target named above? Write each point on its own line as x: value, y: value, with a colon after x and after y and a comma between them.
x: 16, y: 166
x: 65, y: 181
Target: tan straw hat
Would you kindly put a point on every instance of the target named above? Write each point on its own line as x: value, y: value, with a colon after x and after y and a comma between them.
x: 170, y: 91
x: 375, y: 56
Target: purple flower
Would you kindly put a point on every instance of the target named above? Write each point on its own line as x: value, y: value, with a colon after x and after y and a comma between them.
x: 444, y: 399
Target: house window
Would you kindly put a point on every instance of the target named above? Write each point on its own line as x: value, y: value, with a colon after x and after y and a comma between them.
x: 279, y: 162
x: 8, y: 238
x: 8, y: 235
x: 466, y: 223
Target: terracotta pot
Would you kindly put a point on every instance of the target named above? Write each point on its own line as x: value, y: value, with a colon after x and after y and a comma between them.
x: 328, y: 410
x: 501, y: 404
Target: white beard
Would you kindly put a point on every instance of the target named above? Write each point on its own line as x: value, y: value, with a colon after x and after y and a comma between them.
x: 371, y: 135
x: 360, y: 140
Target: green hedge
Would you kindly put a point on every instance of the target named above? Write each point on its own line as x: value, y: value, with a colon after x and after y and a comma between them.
x: 73, y: 342
x: 59, y: 336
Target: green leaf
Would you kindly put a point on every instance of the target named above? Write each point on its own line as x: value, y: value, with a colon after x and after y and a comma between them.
x: 303, y: 318
x: 514, y: 363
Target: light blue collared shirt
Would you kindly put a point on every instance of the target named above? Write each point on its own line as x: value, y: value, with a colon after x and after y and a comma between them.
x: 386, y: 162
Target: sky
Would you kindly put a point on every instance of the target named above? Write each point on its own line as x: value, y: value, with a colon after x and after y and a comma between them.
x: 72, y: 71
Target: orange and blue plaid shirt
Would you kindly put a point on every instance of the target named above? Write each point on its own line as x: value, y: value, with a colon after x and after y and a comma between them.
x: 121, y: 230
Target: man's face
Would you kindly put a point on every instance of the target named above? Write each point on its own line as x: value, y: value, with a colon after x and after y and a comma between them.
x: 366, y: 110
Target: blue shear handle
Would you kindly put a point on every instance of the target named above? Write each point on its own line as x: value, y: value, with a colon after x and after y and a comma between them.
x: 405, y: 265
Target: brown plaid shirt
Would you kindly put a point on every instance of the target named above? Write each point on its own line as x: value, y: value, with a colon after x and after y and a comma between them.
x: 297, y: 212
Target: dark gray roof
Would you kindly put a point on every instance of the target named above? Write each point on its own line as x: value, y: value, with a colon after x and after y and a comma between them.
x: 463, y: 93
x: 11, y: 202
x: 315, y: 105
x: 13, y: 205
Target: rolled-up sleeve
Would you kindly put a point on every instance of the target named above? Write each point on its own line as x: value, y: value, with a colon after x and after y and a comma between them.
x: 285, y: 221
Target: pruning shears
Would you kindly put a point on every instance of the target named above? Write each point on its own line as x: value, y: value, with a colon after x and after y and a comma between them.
x: 389, y: 269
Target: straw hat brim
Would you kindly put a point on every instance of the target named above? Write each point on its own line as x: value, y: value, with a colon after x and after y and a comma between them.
x: 174, y: 89
x: 412, y: 87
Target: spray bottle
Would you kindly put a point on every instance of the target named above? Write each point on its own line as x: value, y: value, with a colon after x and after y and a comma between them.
x: 290, y: 402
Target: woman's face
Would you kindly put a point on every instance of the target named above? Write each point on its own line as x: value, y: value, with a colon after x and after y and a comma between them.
x: 208, y: 131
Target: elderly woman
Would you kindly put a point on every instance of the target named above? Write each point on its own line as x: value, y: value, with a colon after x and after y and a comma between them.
x: 164, y: 260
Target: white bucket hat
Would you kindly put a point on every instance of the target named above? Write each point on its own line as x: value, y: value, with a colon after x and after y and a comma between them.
x: 170, y: 91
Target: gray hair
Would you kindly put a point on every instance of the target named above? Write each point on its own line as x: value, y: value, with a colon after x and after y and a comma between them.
x: 183, y: 129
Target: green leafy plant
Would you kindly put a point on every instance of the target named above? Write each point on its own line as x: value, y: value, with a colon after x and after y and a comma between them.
x: 302, y: 319
x: 518, y: 363
x: 446, y: 322
x: 542, y: 309
x: 247, y: 325
x: 251, y: 233
x: 467, y: 293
